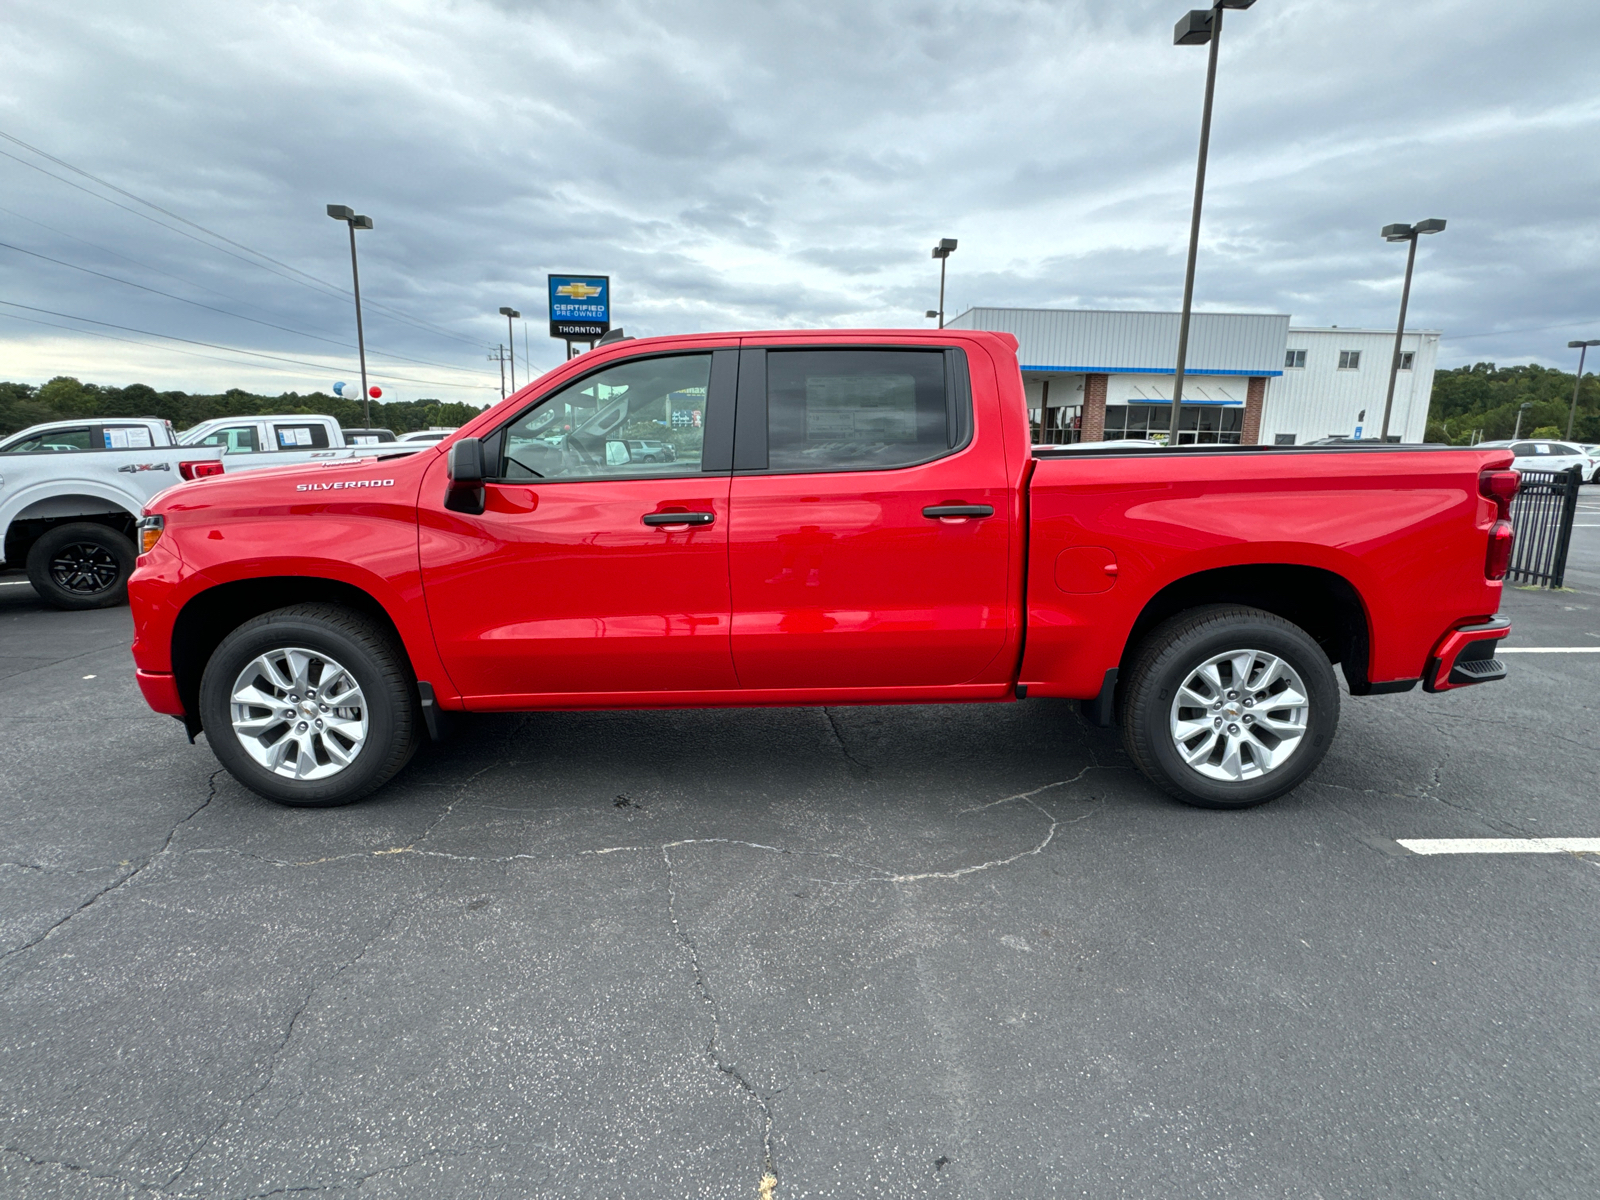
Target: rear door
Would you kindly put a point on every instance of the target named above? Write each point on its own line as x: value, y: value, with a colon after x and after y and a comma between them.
x: 590, y: 572
x: 870, y: 528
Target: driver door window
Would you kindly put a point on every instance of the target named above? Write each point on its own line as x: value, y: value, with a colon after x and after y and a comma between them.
x: 642, y: 419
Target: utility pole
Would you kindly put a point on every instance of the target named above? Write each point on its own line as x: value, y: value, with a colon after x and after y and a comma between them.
x: 499, y: 356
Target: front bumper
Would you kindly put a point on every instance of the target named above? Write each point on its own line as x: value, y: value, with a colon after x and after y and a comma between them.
x: 1465, y: 656
x: 160, y: 690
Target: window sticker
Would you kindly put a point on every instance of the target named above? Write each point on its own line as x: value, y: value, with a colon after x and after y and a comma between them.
x: 126, y: 437
x: 876, y: 408
x: 298, y: 436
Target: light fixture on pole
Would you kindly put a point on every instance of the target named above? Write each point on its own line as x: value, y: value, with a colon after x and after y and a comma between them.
x: 343, y: 212
x: 942, y: 252
x: 511, y: 337
x: 1521, y: 408
x: 1403, y: 233
x: 931, y: 314
x: 1199, y: 27
x: 1582, y: 348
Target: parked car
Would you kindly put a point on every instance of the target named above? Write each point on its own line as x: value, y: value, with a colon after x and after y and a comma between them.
x: 277, y: 441
x: 860, y: 519
x: 367, y: 437
x: 428, y: 435
x: 104, y: 433
x: 646, y: 451
x: 1533, y: 455
x: 69, y: 515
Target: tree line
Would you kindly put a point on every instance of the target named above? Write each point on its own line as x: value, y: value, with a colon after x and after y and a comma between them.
x: 65, y: 398
x: 1481, y: 403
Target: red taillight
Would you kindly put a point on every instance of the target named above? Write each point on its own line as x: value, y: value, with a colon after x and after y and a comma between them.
x: 1501, y: 487
x: 1498, y: 560
x: 199, y: 470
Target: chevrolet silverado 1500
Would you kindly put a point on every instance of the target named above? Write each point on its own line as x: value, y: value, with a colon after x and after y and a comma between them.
x: 844, y: 518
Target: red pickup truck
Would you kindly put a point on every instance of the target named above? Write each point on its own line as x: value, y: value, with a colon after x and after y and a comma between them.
x: 844, y: 518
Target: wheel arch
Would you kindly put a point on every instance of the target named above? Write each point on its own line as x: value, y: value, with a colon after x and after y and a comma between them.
x: 1322, y: 602
x: 26, y: 522
x: 209, y: 616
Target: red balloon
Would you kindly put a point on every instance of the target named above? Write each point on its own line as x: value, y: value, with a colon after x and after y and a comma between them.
x: 374, y: 392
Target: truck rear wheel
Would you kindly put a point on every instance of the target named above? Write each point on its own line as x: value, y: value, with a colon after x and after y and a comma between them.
x: 81, y: 565
x: 310, y: 705
x: 1229, y: 707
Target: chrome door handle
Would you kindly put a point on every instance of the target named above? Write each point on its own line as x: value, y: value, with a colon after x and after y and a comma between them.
x: 935, y: 511
x: 679, y: 518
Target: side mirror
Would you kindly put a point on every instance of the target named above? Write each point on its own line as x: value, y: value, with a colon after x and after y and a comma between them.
x: 617, y: 454
x: 465, y: 469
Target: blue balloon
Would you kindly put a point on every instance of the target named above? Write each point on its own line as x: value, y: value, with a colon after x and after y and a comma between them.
x: 338, y: 388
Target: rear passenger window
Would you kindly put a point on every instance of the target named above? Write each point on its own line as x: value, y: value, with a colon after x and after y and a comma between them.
x: 842, y: 410
x: 300, y: 437
x: 126, y: 437
x: 239, y: 439
x: 53, y: 439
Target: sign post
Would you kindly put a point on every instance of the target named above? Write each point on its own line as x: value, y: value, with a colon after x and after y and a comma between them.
x: 580, y: 308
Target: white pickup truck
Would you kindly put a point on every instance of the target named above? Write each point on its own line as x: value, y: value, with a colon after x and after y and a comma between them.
x: 251, y: 442
x: 91, y: 433
x: 71, y: 493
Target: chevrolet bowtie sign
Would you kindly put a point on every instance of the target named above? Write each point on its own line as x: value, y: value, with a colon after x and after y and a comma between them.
x: 580, y: 306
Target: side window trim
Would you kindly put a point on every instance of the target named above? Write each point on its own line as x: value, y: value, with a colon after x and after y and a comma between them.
x: 494, y: 440
x: 750, y: 450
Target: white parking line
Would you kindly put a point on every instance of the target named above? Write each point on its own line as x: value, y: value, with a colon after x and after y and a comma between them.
x: 13, y: 583
x: 1548, y: 650
x: 1554, y: 845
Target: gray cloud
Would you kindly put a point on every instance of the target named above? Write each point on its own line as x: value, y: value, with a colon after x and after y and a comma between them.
x: 742, y: 166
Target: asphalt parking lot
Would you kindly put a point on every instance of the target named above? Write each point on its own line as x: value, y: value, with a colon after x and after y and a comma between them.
x: 870, y: 952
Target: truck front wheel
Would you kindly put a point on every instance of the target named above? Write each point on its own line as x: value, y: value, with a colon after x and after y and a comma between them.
x: 310, y: 705
x: 1229, y: 707
x: 81, y: 565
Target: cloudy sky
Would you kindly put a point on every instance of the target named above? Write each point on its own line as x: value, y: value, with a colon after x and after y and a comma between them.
x: 771, y: 165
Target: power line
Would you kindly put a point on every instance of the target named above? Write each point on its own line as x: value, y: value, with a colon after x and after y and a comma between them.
x: 306, y: 280
x: 300, y: 362
x: 203, y: 287
x: 225, y: 312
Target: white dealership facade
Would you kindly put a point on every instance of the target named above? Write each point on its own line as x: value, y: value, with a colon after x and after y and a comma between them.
x: 1095, y: 375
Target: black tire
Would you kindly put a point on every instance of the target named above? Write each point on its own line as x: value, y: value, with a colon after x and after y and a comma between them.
x: 1170, y: 656
x: 81, y: 565
x: 371, y: 657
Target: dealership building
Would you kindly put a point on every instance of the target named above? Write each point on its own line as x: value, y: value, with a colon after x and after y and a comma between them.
x: 1250, y: 377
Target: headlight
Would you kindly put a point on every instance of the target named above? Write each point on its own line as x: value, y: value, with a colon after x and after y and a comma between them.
x: 150, y: 528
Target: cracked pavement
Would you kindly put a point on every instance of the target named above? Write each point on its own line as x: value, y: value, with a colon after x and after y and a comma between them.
x: 927, y: 951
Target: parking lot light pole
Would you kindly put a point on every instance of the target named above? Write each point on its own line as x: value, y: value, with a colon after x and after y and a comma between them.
x: 1582, y: 348
x: 511, y: 339
x: 942, y: 252
x: 1197, y: 28
x: 343, y: 212
x: 1521, y: 409
x: 1403, y: 233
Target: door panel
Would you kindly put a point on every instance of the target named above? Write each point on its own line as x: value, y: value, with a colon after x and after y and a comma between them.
x: 838, y: 578
x: 562, y: 587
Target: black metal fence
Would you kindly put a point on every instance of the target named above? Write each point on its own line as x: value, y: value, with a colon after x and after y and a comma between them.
x: 1542, y: 517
